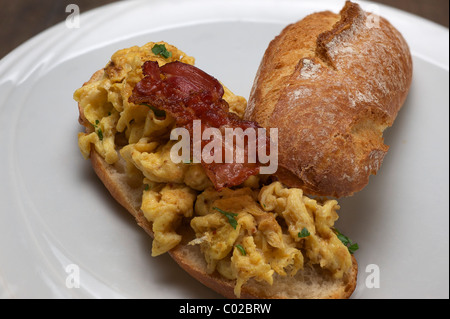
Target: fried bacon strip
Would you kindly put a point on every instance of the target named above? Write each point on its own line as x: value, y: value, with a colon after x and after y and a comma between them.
x: 187, y: 94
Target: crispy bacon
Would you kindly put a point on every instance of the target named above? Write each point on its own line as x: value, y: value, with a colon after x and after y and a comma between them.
x: 187, y: 94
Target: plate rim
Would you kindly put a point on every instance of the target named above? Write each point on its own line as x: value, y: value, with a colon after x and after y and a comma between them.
x: 93, y: 12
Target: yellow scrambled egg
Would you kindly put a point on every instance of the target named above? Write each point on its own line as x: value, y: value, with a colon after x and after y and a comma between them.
x: 249, y: 232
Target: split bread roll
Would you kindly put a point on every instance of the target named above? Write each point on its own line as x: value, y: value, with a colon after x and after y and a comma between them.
x: 309, y: 283
x: 312, y: 282
x: 332, y: 83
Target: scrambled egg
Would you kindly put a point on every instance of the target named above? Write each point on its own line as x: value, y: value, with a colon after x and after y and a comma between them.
x: 264, y: 248
x: 165, y: 205
x: 250, y: 232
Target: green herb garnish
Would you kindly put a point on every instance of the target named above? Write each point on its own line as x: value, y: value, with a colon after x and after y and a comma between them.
x: 161, y: 50
x: 157, y: 112
x: 98, y: 130
x: 304, y: 233
x: 146, y: 187
x: 100, y: 134
x: 241, y: 249
x: 230, y: 216
x: 352, y: 247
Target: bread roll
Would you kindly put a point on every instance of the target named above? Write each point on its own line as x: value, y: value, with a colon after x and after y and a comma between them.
x: 332, y: 83
x: 312, y: 282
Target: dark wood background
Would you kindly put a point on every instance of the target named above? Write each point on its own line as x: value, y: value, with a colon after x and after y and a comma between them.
x: 22, y: 19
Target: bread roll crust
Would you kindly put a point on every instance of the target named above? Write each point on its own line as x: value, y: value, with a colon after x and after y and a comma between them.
x: 332, y: 83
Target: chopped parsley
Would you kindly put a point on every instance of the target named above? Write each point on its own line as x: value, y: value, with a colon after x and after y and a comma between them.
x: 146, y: 187
x: 98, y: 130
x: 352, y: 247
x: 304, y: 233
x: 241, y: 249
x: 157, y: 112
x: 100, y: 134
x: 160, y: 49
x: 230, y: 216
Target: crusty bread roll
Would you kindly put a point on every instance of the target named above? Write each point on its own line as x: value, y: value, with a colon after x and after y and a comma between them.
x: 332, y: 83
x: 312, y: 282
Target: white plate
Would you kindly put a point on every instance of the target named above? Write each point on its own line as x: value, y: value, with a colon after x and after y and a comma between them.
x: 54, y: 211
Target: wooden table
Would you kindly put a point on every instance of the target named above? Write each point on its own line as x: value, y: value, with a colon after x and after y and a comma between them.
x: 22, y: 19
